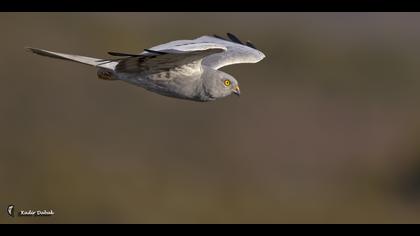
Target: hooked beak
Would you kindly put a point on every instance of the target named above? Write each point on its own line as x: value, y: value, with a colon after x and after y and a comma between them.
x: 237, y: 91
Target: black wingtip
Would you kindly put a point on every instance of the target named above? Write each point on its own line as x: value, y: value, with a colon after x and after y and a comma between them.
x: 249, y: 44
x: 219, y: 37
x: 122, y: 54
x: 234, y: 38
x: 155, y: 52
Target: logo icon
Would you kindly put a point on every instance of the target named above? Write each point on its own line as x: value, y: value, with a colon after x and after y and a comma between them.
x: 11, y: 210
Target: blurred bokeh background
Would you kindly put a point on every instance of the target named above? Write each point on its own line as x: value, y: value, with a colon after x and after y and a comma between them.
x: 327, y: 129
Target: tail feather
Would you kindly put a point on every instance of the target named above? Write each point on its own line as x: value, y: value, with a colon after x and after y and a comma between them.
x: 76, y: 58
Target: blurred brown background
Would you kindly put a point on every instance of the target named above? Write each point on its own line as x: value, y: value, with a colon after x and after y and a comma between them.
x: 327, y: 129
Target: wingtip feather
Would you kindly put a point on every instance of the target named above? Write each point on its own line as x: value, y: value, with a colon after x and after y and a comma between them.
x: 234, y: 38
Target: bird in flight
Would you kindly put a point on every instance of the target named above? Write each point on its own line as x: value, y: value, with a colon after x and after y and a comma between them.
x: 185, y: 69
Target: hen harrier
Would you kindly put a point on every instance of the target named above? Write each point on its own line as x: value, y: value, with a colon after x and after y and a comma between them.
x: 186, y: 69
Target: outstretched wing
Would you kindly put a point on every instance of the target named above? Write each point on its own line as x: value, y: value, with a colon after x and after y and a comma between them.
x: 157, y: 59
x: 237, y: 52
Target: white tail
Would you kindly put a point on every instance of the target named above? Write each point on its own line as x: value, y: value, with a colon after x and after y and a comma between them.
x: 76, y: 58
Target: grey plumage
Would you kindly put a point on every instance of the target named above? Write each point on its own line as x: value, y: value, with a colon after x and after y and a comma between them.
x: 186, y: 69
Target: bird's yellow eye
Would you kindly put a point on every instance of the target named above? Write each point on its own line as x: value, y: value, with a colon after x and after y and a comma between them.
x: 227, y: 82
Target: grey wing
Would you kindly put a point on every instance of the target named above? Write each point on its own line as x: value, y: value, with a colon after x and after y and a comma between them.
x: 237, y: 52
x: 157, y: 59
